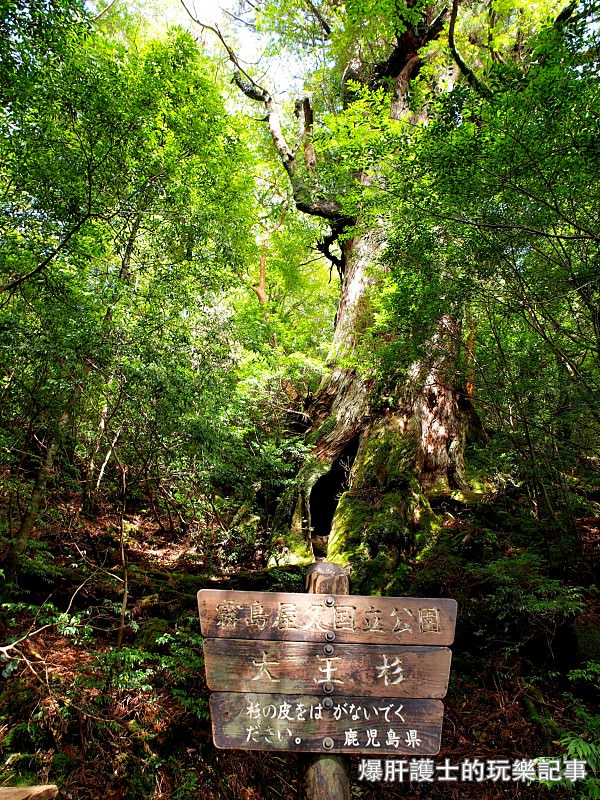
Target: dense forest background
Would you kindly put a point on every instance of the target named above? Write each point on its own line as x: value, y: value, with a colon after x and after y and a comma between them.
x: 356, y: 319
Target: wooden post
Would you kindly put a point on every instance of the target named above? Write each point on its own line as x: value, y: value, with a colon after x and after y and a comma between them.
x: 327, y: 777
x: 29, y: 793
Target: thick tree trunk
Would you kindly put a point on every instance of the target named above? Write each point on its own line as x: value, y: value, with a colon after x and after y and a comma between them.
x: 362, y: 492
x: 407, y: 454
x: 363, y: 495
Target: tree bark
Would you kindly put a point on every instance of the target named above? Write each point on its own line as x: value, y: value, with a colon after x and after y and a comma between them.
x: 378, y: 469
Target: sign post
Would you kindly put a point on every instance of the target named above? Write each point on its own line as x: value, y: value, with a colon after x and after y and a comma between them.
x: 327, y: 672
x: 326, y: 777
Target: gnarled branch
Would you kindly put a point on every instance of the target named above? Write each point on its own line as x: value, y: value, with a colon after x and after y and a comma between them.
x: 470, y: 76
x: 305, y: 198
x: 304, y: 113
x: 320, y: 18
x: 324, y: 246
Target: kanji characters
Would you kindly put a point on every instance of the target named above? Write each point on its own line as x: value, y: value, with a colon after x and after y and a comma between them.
x: 228, y: 615
x: 395, y: 770
x: 523, y: 769
x: 253, y: 710
x: 343, y: 618
x: 402, y: 626
x: 287, y: 617
x: 575, y: 770
x: 264, y: 667
x: 372, y: 621
x: 422, y: 770
x: 284, y: 711
x: 392, y: 740
x: 328, y: 670
x: 258, y: 618
x: 370, y: 769
x: 351, y: 738
x: 372, y: 735
x: 429, y: 620
x: 412, y: 739
x: 391, y: 672
x: 316, y: 621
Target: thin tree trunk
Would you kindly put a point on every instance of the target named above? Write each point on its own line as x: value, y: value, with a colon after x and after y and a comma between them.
x: 122, y: 553
x: 41, y: 481
x: 39, y: 488
x: 88, y: 492
x: 106, y: 459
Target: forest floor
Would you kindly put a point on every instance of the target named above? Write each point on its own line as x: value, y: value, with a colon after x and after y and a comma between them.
x: 133, y: 722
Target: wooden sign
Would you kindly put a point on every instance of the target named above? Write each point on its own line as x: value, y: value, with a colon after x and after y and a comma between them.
x: 29, y: 792
x: 324, y: 673
x: 245, y: 665
x: 305, y: 723
x: 319, y: 618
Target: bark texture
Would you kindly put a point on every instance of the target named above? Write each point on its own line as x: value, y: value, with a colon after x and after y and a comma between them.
x: 363, y: 495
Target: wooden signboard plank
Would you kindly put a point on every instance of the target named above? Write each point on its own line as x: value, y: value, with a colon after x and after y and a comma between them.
x: 314, y: 724
x: 29, y: 792
x: 318, y: 617
x: 244, y: 665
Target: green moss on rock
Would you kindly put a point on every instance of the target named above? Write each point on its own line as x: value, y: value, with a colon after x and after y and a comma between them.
x: 151, y: 630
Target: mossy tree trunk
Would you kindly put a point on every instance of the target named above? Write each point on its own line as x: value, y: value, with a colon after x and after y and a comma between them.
x: 362, y: 494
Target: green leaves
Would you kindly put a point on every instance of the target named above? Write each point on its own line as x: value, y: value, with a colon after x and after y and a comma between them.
x: 397, y: 17
x: 125, y: 205
x: 33, y: 34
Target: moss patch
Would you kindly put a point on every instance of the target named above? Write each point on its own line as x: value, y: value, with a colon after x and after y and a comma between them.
x: 387, y: 460
x: 291, y: 547
x: 327, y: 426
x: 352, y: 520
